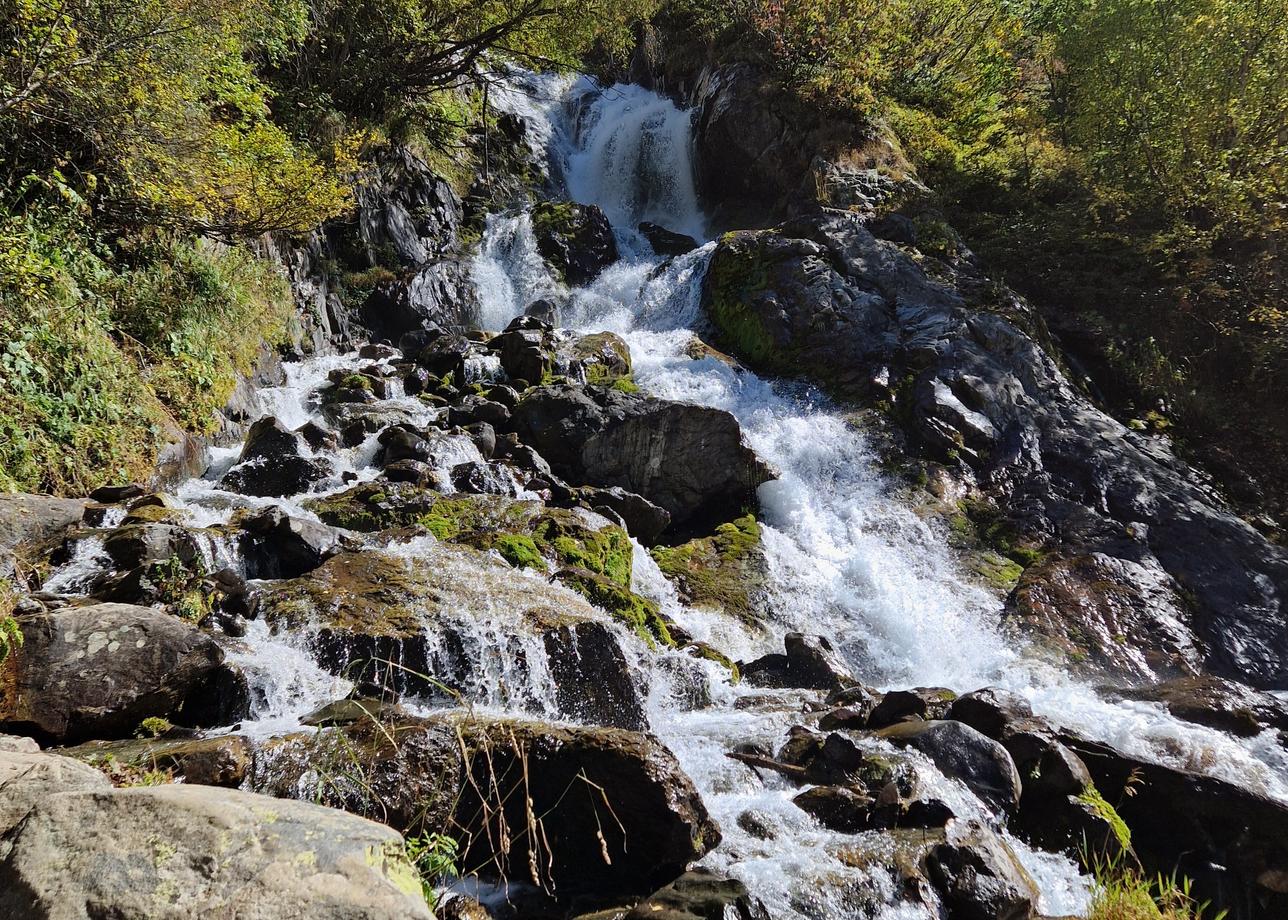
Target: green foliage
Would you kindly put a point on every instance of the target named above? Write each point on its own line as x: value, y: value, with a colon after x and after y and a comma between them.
x: 10, y: 632
x: 1123, y: 891
x: 153, y: 727
x: 1092, y: 798
x: 435, y: 856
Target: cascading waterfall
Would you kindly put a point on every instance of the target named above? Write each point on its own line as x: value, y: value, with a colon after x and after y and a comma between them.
x: 847, y: 559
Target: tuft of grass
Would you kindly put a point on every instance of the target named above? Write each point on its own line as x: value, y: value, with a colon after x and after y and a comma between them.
x: 1123, y: 891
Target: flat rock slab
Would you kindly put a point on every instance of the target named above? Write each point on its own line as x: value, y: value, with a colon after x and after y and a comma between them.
x: 171, y: 852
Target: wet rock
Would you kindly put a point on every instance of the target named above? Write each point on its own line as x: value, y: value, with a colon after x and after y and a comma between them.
x: 525, y: 349
x: 112, y: 495
x: 726, y: 571
x: 318, y: 438
x: 28, y: 520
x: 838, y: 808
x: 577, y: 240
x: 601, y: 358
x: 1233, y: 842
x: 1136, y: 545
x: 275, y: 858
x: 401, y: 442
x: 416, y: 473
x: 449, y: 615
x: 1218, y: 703
x: 962, y: 753
x: 476, y: 478
x: 690, y: 460
x: 847, y: 718
x: 272, y: 463
x: 990, y: 711
x: 446, y: 355
x: 918, y: 703
x: 135, y: 545
x: 484, y: 437
x: 473, y: 409
x: 276, y: 545
x: 810, y: 662
x: 667, y: 242
x: 979, y: 877
x: 439, y: 294
x: 644, y: 520
x: 28, y: 777
x: 760, y: 825
x: 100, y: 670
x: 699, y: 894
x: 220, y: 761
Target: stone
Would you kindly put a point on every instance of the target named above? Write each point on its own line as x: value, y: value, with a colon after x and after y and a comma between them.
x: 644, y: 520
x: 699, y: 894
x: 100, y: 670
x: 273, y: 463
x: 577, y: 240
x: 838, y: 808
x: 690, y: 460
x: 962, y: 753
x: 990, y: 711
x: 318, y: 438
x: 979, y: 877
x: 918, y: 703
x: 223, y: 760
x: 810, y: 662
x: 29, y: 520
x: 1219, y: 703
x: 171, y: 852
x: 276, y: 545
x: 112, y: 495
x: 667, y: 242
x: 28, y: 777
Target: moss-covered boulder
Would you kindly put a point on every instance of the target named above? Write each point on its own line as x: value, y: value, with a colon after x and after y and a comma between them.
x: 435, y: 619
x: 576, y: 239
x: 603, y: 357
x: 725, y: 571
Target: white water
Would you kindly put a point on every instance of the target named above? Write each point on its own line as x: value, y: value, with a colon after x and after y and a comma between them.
x: 848, y: 559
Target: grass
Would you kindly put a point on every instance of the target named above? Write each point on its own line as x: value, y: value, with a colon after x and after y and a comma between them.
x: 1123, y: 891
x: 10, y: 633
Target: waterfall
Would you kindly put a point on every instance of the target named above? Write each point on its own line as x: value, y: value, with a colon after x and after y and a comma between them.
x: 847, y: 558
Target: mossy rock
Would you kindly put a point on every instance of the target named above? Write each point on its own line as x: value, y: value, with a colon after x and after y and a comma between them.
x: 605, y: 357
x: 737, y: 277
x: 725, y: 571
x: 639, y: 613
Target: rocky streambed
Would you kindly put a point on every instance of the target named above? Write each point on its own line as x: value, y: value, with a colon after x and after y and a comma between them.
x: 525, y: 586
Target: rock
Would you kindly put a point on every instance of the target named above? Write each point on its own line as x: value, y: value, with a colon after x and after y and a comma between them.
x: 439, y: 294
x: 27, y: 520
x: 846, y: 718
x: 601, y: 358
x: 838, y: 808
x: 1213, y: 701
x: 276, y: 545
x: 28, y: 778
x: 1233, y: 842
x: 184, y: 851
x: 484, y: 437
x: 143, y: 544
x: 644, y: 520
x: 100, y: 670
x: 525, y: 349
x: 474, y: 409
x: 810, y: 663
x: 667, y: 242
x: 421, y: 768
x: 690, y: 460
x: 219, y: 761
x: 919, y: 703
x: 726, y: 571
x: 112, y: 495
x: 403, y: 443
x: 979, y: 877
x: 319, y: 439
x: 454, y: 615
x: 272, y: 463
x: 18, y: 745
x: 990, y: 711
x: 1120, y: 538
x: 577, y: 240
x: 446, y: 355
x: 699, y: 894
x: 962, y: 753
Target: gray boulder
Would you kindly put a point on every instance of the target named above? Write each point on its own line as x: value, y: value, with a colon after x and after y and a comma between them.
x: 100, y: 670
x: 28, y: 777
x: 171, y: 852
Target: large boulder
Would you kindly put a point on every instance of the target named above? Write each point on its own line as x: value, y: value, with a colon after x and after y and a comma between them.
x: 276, y: 545
x: 171, y: 852
x: 29, y: 520
x: 576, y: 239
x: 979, y: 877
x: 98, y: 671
x: 691, y: 460
x: 448, y: 617
x: 273, y: 462
x: 28, y: 778
x: 598, y: 813
x: 1137, y: 546
x: 964, y: 754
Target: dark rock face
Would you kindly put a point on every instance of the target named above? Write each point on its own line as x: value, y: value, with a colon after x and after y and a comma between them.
x: 276, y: 545
x: 576, y: 239
x: 667, y: 242
x: 272, y: 463
x: 699, y: 894
x: 98, y: 671
x: 963, y: 753
x: 810, y: 662
x: 643, y: 520
x: 916, y: 704
x: 593, y: 681
x: 438, y: 294
x: 980, y: 878
x: 1231, y: 841
x: 690, y: 460
x: 1144, y: 549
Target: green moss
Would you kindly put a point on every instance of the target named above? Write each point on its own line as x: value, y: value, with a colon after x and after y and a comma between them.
x: 723, y: 570
x: 625, y: 385
x: 710, y: 653
x: 520, y: 551
x: 978, y: 523
x: 639, y: 613
x: 736, y: 275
